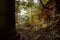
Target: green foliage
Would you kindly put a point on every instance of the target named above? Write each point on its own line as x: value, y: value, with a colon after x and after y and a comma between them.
x: 19, y: 28
x: 31, y: 13
x: 31, y: 9
x: 44, y: 1
x: 16, y: 6
x: 32, y: 19
x: 27, y: 23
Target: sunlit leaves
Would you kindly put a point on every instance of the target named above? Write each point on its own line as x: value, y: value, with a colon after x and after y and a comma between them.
x: 30, y: 12
x: 31, y: 9
x: 44, y: 1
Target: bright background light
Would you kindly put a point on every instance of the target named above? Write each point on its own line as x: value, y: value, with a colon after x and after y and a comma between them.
x: 24, y: 11
x: 35, y: 1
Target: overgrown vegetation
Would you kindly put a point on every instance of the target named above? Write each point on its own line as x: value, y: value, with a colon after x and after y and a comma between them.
x: 36, y: 19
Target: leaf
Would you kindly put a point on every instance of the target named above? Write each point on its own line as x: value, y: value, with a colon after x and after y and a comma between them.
x: 44, y: 1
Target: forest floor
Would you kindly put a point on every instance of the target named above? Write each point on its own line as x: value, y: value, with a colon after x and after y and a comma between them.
x: 42, y: 34
x: 49, y: 33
